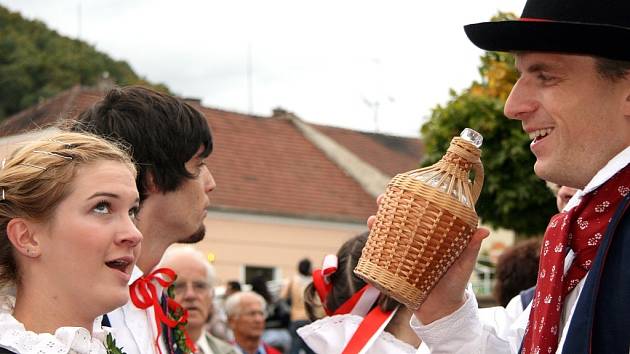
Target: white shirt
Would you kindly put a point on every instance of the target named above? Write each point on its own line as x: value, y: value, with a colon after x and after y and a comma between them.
x: 14, y: 337
x: 134, y: 329
x: 202, y: 344
x: 500, y: 330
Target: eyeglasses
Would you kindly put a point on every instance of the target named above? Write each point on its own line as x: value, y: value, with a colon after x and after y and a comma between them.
x: 198, y: 287
x: 253, y: 313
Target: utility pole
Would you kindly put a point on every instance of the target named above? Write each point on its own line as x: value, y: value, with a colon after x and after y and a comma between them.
x: 79, y: 21
x: 250, y: 88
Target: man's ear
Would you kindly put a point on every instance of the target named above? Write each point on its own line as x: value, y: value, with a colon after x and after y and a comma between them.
x: 626, y: 103
x: 21, y: 234
x: 151, y: 186
x: 626, y: 107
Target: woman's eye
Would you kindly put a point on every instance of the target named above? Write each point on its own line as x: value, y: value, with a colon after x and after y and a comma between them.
x: 102, y: 208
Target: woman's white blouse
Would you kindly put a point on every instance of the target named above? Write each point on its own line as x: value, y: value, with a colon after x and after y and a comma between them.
x: 331, y: 334
x: 73, y: 340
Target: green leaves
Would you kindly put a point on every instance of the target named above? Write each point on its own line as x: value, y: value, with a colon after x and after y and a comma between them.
x: 110, y: 345
x: 37, y: 63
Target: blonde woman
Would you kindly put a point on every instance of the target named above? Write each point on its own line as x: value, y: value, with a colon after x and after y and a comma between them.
x: 68, y: 242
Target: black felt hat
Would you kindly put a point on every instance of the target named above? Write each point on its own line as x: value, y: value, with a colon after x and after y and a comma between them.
x: 595, y: 27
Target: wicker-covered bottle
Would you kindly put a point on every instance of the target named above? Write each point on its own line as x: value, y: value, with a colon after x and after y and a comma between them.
x: 423, y: 223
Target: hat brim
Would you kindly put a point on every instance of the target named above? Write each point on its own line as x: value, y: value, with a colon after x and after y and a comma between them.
x: 546, y: 36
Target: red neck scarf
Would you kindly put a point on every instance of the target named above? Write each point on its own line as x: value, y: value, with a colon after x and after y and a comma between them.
x: 580, y: 229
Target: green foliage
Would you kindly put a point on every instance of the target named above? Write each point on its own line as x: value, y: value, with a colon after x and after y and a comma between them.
x: 513, y: 197
x: 37, y: 63
x: 110, y: 345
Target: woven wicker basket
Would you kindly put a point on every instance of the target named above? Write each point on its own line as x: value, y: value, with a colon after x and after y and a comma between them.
x: 424, y: 221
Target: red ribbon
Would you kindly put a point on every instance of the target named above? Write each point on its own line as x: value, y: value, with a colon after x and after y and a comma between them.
x: 347, y: 306
x: 372, y: 320
x: 532, y: 19
x: 322, y: 287
x: 143, y: 295
x: 366, y: 330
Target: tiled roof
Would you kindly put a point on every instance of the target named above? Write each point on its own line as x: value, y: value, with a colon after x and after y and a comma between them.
x: 66, y: 104
x: 390, y: 154
x: 265, y: 164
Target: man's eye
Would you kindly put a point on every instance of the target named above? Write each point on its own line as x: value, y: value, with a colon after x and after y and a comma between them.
x: 133, y: 213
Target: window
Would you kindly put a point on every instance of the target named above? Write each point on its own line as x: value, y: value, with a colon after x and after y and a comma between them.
x: 267, y: 273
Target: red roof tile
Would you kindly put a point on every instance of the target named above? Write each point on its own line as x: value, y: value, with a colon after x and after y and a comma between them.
x: 48, y: 112
x: 389, y: 154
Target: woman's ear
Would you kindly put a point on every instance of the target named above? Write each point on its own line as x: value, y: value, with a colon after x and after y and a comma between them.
x: 21, y: 234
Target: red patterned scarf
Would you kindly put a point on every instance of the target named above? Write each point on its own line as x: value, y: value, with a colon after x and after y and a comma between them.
x: 580, y: 229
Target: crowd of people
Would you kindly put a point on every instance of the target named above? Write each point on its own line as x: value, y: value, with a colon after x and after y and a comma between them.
x: 87, y: 215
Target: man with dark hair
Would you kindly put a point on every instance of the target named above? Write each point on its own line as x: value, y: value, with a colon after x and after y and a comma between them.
x: 232, y: 287
x: 169, y: 142
x: 304, y: 267
x: 573, y: 99
x: 516, y: 271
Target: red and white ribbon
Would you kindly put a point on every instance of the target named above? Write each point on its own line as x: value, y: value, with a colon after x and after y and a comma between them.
x: 360, y: 304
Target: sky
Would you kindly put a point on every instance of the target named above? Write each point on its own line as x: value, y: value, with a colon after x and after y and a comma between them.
x: 365, y: 65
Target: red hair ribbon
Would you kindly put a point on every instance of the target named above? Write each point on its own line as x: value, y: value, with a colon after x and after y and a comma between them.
x: 143, y: 295
x: 531, y: 19
x: 321, y: 279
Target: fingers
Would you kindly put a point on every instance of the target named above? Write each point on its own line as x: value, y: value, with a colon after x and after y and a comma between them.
x: 470, y: 253
x: 370, y: 221
x: 480, y: 235
x: 372, y: 218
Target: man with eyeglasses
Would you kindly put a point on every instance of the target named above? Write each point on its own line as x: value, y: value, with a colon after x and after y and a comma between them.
x: 246, y: 317
x: 194, y: 291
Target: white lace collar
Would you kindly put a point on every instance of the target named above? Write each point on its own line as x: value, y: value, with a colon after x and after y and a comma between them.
x: 73, y: 340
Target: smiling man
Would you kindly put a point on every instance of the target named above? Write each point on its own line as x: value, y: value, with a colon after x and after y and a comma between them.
x: 194, y: 291
x: 573, y: 99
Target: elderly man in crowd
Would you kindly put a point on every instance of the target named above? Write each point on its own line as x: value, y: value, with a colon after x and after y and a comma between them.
x: 246, y: 317
x: 194, y: 291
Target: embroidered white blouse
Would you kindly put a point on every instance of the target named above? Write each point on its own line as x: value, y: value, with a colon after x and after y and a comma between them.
x: 72, y: 340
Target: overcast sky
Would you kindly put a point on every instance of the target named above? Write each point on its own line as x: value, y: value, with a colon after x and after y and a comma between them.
x: 329, y: 62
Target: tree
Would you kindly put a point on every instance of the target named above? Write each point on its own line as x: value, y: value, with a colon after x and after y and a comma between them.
x: 37, y: 63
x: 513, y: 197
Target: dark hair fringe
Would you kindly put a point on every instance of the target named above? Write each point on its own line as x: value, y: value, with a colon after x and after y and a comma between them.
x: 163, y: 132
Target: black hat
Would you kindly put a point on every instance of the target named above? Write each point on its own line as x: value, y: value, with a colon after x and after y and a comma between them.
x: 594, y: 27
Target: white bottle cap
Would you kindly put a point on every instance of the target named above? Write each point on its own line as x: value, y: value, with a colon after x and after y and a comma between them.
x: 472, y: 136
